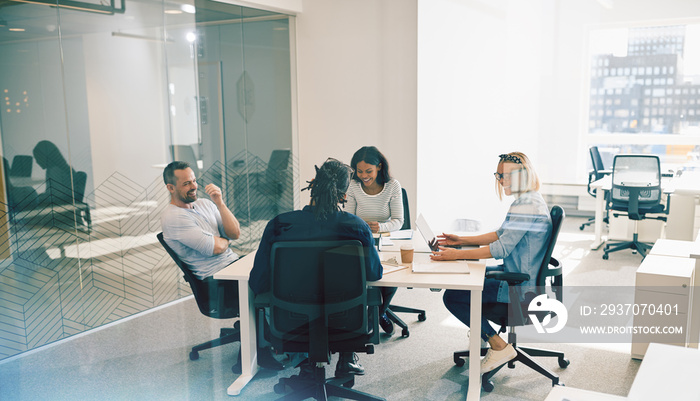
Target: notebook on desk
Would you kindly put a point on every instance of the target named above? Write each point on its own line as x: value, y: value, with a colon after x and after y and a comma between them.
x: 445, y: 266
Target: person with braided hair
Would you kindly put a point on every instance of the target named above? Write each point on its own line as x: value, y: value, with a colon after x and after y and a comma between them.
x: 322, y: 219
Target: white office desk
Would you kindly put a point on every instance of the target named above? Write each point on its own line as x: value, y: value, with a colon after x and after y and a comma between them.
x: 560, y: 393
x: 681, y: 217
x: 668, y: 372
x: 240, y: 270
x: 474, y: 281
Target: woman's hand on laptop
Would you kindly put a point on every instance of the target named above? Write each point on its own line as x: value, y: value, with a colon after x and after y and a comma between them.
x: 445, y: 254
x: 449, y: 239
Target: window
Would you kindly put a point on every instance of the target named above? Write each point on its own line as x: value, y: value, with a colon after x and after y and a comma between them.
x: 649, y: 89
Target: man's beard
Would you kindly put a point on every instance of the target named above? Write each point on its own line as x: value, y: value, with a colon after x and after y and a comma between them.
x: 187, y: 198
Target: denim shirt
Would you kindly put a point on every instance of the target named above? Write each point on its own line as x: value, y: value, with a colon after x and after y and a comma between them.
x: 522, y: 239
x: 301, y: 225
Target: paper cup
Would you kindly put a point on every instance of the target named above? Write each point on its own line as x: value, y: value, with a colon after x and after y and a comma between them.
x: 406, y: 253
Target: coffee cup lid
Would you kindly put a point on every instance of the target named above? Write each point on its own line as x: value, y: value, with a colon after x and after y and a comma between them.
x: 406, y: 247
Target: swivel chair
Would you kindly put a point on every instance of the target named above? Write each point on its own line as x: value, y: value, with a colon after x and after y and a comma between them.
x: 185, y: 153
x: 393, y: 309
x: 549, y: 280
x: 597, y: 173
x: 217, y: 299
x: 636, y: 191
x: 319, y: 303
x: 19, y: 198
x: 22, y: 166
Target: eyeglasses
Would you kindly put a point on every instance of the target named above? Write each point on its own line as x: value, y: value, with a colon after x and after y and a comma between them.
x: 506, y: 176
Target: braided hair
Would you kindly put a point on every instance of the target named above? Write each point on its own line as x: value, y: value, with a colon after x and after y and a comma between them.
x: 328, y: 188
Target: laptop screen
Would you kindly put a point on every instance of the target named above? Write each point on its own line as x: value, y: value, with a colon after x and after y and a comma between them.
x: 426, y: 232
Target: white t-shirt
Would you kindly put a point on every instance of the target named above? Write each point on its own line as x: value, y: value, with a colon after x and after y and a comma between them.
x: 386, y: 207
x: 190, y: 233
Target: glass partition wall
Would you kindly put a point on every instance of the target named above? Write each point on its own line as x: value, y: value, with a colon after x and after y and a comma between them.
x: 95, y: 102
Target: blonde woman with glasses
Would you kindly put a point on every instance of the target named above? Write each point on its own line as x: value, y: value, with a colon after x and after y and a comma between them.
x: 520, y: 243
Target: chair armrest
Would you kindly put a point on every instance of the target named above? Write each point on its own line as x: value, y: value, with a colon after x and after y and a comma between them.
x: 511, y: 278
x: 262, y: 300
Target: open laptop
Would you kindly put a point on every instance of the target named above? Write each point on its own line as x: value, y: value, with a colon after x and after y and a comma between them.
x: 431, y: 241
x: 428, y: 236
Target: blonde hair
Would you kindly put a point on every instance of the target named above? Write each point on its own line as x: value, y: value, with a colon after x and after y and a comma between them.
x: 532, y: 181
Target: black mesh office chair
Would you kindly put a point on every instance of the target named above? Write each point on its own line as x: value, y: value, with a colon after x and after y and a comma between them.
x: 217, y: 299
x: 549, y: 280
x: 319, y: 304
x: 186, y: 153
x: 595, y: 174
x: 393, y: 309
x: 636, y: 190
x: 22, y: 166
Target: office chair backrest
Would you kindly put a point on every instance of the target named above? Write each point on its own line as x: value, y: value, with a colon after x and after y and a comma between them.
x: 318, y: 289
x: 549, y: 277
x: 597, y: 162
x: 79, y: 183
x: 22, y: 166
x: 279, y: 159
x: 215, y: 298
x: 185, y: 153
x: 555, y: 271
x: 636, y: 184
x: 406, y: 212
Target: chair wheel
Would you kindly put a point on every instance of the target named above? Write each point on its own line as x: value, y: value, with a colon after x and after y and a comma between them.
x: 487, y: 385
x: 349, y: 383
x: 194, y: 355
x: 405, y: 333
x: 421, y: 317
x: 237, y: 325
x: 581, y: 228
x: 605, y: 256
x: 563, y: 362
x: 279, y: 388
x: 459, y: 361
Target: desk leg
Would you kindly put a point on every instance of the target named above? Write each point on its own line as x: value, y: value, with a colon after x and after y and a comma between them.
x: 249, y: 349
x: 598, y: 225
x: 474, y: 390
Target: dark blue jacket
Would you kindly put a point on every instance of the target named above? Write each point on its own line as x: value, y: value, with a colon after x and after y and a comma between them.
x: 301, y: 225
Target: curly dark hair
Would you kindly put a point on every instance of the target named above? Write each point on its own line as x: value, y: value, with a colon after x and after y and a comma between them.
x: 328, y: 188
x: 371, y: 155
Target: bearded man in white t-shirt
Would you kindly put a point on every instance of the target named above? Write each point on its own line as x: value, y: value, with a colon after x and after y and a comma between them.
x: 199, y: 231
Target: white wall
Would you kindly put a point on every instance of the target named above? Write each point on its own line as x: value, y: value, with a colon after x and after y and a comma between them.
x: 356, y: 65
x: 492, y: 77
x: 479, y: 77
x: 500, y: 76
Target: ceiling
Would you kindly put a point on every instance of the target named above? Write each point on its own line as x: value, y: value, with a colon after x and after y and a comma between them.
x: 40, y: 21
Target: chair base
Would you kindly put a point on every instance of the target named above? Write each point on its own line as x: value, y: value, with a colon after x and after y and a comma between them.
x: 635, y: 245
x: 525, y: 356
x: 226, y: 336
x: 588, y: 223
x: 318, y: 387
x: 391, y: 314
